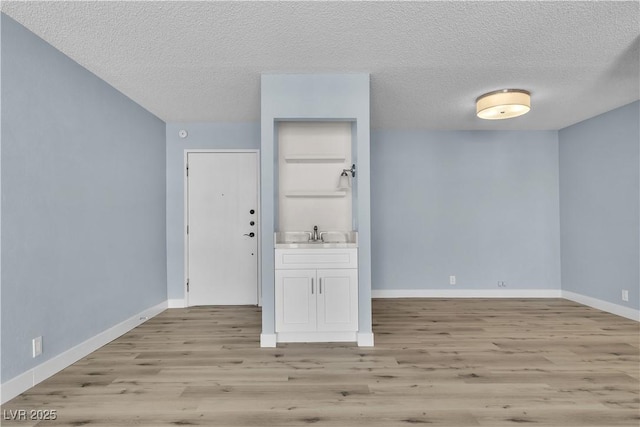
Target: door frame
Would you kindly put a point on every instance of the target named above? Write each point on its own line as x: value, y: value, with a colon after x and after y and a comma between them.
x: 185, y: 215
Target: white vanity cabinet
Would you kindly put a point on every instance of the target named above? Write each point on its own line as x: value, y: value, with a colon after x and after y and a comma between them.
x: 316, y: 295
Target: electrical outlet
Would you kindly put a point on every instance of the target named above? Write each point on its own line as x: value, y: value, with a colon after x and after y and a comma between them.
x: 502, y: 284
x: 36, y: 344
x: 625, y: 295
x: 452, y: 280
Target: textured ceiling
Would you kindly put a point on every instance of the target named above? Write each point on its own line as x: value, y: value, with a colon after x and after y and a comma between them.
x: 201, y: 61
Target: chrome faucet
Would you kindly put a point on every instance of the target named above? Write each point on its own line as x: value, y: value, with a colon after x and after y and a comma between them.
x: 315, y: 236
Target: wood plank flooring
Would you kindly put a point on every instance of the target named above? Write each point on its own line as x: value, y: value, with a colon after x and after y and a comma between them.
x: 437, y: 362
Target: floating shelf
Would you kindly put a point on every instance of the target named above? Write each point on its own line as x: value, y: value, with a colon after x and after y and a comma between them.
x: 314, y: 158
x: 316, y: 193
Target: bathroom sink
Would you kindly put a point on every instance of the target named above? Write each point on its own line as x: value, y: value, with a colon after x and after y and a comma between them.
x: 339, y: 236
x: 330, y: 239
x: 292, y: 237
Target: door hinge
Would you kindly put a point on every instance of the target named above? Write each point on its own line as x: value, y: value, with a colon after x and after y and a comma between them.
x: 187, y: 229
x: 187, y: 169
x: 187, y: 285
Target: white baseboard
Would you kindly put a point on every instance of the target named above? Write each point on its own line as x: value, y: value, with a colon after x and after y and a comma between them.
x: 599, y: 304
x: 609, y: 307
x: 267, y: 340
x: 365, y: 339
x: 176, y: 303
x: 466, y: 293
x: 316, y: 337
x: 15, y: 386
x: 39, y: 373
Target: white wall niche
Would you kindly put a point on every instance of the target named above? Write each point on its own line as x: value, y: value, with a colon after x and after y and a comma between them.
x: 311, y: 156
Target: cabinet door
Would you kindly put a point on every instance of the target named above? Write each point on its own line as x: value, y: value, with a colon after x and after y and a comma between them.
x: 295, y: 300
x: 337, y: 300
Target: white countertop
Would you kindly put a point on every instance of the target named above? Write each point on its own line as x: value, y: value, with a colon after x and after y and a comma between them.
x: 332, y: 240
x: 319, y: 245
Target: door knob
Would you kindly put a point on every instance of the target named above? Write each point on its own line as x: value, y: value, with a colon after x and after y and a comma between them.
x: 250, y: 234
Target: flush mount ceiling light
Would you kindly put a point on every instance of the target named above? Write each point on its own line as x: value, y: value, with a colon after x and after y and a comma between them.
x: 503, y: 104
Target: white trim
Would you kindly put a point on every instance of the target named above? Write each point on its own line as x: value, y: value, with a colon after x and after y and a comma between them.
x: 176, y: 303
x: 39, y: 373
x: 609, y: 307
x: 599, y: 304
x: 15, y: 386
x: 316, y: 337
x: 267, y: 340
x: 221, y: 150
x: 466, y: 293
x: 185, y: 214
x: 365, y: 339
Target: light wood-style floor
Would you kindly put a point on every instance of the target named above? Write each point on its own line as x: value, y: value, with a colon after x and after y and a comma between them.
x: 459, y: 362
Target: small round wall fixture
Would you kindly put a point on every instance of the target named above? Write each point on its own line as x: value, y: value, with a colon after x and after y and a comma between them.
x: 503, y: 104
x: 182, y: 133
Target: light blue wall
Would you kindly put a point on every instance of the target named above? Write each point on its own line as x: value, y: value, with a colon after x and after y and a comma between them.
x: 83, y: 203
x: 599, y: 206
x: 1, y: 194
x: 201, y: 136
x: 482, y: 206
x: 315, y: 97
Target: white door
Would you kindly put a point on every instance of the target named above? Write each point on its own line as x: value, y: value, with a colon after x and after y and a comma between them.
x: 295, y: 300
x: 338, y: 300
x: 222, y: 224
